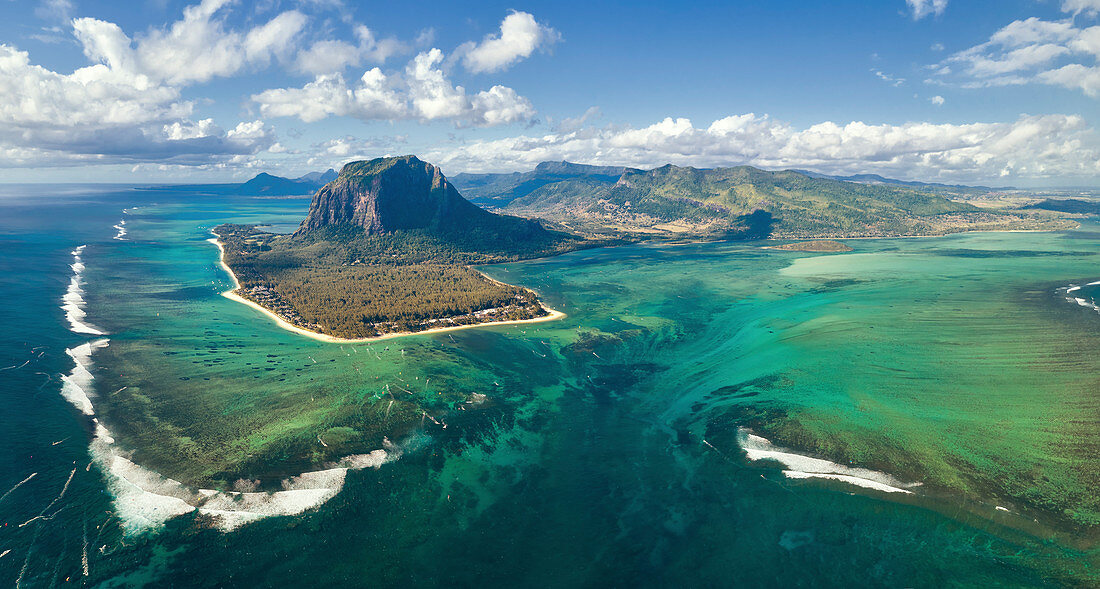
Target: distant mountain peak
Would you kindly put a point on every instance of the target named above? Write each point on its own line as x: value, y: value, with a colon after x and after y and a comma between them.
x: 265, y: 184
x: 318, y: 177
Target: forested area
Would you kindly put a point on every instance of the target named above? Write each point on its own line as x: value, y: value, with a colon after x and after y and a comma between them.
x: 341, y: 282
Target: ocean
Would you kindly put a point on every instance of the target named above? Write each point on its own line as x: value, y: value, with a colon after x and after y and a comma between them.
x: 918, y: 412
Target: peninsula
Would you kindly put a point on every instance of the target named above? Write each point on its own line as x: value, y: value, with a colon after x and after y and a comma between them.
x: 388, y: 246
x: 387, y: 249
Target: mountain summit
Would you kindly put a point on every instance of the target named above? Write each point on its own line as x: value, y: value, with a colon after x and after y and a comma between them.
x: 264, y: 184
x: 391, y: 194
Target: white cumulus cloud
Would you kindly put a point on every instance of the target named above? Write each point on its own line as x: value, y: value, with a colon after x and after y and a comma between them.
x: 424, y: 93
x: 332, y: 56
x: 1091, y: 7
x: 922, y: 8
x: 371, y: 98
x: 520, y: 35
x: 126, y: 106
x: 1032, y: 51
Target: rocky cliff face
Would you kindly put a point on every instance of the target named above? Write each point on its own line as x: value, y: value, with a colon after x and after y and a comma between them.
x: 400, y: 193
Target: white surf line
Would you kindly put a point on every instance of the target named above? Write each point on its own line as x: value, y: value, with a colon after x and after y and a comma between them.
x: 1078, y: 300
x: 145, y: 500
x: 121, y: 226
x: 17, y: 485
x: 73, y: 300
x: 798, y: 466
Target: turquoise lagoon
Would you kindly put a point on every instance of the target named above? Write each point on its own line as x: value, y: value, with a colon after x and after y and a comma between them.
x: 919, y: 412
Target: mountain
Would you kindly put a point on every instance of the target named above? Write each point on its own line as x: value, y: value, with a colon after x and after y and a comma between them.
x: 386, y: 247
x: 498, y: 190
x: 962, y: 189
x: 264, y: 184
x: 387, y: 195
x: 320, y: 178
x: 744, y: 201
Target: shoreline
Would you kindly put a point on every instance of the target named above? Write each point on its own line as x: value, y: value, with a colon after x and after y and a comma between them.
x: 925, y: 236
x: 835, y: 238
x: 231, y: 294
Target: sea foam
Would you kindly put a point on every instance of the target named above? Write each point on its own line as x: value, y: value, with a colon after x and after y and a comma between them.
x: 73, y: 300
x: 77, y: 385
x: 1087, y: 303
x: 145, y: 499
x: 798, y: 466
x: 121, y: 227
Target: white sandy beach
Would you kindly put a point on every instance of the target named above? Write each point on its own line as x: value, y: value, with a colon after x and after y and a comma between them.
x: 232, y: 295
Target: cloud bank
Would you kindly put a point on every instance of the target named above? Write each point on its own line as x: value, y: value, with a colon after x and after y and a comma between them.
x: 1032, y: 146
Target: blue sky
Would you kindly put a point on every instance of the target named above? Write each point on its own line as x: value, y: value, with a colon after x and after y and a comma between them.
x: 210, y: 90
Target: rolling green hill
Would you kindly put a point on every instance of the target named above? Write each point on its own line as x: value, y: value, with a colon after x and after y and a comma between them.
x: 744, y: 201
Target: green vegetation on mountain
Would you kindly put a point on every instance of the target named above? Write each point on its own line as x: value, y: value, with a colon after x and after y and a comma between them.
x: 386, y: 247
x: 748, y: 202
x: 498, y: 190
x: 387, y: 244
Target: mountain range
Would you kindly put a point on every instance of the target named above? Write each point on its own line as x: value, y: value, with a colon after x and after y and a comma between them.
x: 957, y: 189
x: 740, y: 201
x: 498, y: 190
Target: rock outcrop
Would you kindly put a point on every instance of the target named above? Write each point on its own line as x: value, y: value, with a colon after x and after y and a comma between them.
x: 398, y: 194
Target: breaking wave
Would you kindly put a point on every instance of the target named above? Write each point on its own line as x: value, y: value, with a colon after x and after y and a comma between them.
x: 798, y: 466
x: 1089, y: 303
x: 146, y: 499
x: 73, y: 300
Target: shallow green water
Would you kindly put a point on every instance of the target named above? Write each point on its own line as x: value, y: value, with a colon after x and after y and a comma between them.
x: 606, y: 450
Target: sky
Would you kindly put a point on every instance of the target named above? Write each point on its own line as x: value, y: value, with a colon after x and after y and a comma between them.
x: 1003, y: 92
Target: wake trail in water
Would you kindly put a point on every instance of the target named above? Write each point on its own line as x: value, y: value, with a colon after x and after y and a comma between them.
x: 42, y: 514
x: 17, y: 485
x: 14, y: 367
x: 27, y: 561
